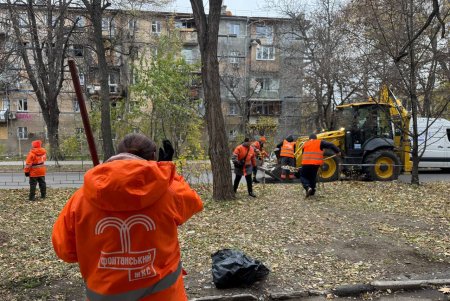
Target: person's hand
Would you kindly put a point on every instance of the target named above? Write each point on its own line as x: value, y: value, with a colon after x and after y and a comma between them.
x: 27, y: 174
x: 166, y: 152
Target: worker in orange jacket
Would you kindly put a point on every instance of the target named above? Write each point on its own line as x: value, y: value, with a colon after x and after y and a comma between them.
x: 35, y: 169
x: 312, y: 159
x: 121, y: 226
x: 258, y: 146
x: 244, y: 161
x: 287, y: 151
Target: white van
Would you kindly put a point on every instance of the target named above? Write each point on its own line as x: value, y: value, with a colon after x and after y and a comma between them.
x: 436, y: 142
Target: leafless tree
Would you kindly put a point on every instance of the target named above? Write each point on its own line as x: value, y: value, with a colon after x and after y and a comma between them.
x: 318, y: 40
x: 241, y: 89
x: 406, y: 33
x: 208, y: 30
x: 108, y: 44
x: 95, y: 9
x: 42, y: 34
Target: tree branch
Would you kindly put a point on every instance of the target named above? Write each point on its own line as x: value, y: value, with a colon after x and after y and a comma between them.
x: 435, y: 13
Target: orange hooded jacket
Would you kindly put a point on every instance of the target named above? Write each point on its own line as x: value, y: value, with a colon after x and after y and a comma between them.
x: 121, y: 228
x: 35, y: 162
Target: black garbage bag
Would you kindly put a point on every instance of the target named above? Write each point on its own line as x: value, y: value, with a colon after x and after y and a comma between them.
x: 232, y: 268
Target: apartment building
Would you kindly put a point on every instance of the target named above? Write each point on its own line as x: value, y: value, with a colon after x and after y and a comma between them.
x: 258, y: 78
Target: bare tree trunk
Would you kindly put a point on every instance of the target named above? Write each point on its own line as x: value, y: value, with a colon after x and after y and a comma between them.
x: 53, y: 137
x: 208, y: 29
x: 413, y: 97
x: 95, y: 10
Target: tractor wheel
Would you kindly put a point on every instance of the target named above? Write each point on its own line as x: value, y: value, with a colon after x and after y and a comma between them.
x: 329, y: 171
x: 384, y: 166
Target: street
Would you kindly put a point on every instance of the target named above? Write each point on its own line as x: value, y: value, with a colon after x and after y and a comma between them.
x: 67, y: 179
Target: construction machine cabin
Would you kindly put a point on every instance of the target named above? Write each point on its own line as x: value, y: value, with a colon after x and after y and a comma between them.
x: 373, y: 138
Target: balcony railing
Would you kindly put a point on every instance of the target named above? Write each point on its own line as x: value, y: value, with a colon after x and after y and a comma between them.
x: 267, y: 94
x: 188, y: 37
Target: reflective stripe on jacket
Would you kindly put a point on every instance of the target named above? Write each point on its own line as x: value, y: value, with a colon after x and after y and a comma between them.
x: 312, y: 154
x: 287, y: 149
x: 35, y: 162
x: 121, y: 228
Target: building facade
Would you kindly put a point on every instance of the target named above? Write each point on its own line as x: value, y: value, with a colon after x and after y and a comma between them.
x: 260, y: 81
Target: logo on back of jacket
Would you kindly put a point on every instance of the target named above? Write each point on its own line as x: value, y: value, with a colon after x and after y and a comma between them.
x: 139, y: 263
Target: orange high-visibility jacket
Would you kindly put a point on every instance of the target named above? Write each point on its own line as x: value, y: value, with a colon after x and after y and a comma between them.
x: 121, y: 228
x: 35, y: 162
x: 240, y: 151
x: 260, y: 152
x: 312, y: 154
x: 287, y: 149
x: 256, y: 145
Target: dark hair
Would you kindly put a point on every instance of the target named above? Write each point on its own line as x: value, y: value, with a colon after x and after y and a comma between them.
x: 313, y: 136
x: 290, y: 138
x: 139, y: 145
x: 246, y: 139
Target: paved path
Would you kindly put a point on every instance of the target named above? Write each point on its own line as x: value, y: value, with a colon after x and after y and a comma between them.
x: 9, y: 180
x: 63, y: 179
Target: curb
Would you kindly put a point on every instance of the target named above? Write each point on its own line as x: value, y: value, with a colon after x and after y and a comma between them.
x: 340, y: 291
x: 381, y: 285
x: 241, y: 297
x: 296, y: 295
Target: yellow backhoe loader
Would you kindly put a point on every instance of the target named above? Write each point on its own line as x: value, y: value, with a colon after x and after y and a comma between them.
x: 373, y: 138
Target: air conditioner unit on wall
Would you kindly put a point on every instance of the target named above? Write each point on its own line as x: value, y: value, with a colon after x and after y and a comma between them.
x: 90, y: 89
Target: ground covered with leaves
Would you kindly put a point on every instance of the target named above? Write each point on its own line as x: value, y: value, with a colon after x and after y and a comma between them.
x: 350, y: 232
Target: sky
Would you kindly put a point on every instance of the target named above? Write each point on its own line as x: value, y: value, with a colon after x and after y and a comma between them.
x: 250, y: 8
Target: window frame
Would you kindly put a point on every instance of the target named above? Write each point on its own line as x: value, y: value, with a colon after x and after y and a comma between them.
x: 22, y: 133
x: 82, y: 79
x: 156, y: 27
x: 266, y: 34
x: 232, y: 134
x: 80, y: 21
x: 22, y: 105
x: 270, y: 53
x: 78, y: 50
x: 75, y: 106
x: 5, y: 104
x: 233, y: 109
x: 232, y: 26
x: 113, y: 84
x: 132, y: 25
x: 234, y: 57
x: 266, y: 108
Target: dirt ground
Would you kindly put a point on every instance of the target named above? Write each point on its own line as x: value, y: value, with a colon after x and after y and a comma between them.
x: 350, y: 232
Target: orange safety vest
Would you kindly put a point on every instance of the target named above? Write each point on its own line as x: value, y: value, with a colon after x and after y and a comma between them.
x: 121, y: 228
x: 287, y: 149
x: 35, y: 162
x: 312, y: 154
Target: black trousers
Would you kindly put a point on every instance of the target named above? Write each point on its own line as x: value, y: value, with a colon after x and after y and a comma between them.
x: 248, y: 179
x: 289, y: 162
x: 42, y: 186
x: 308, y: 176
x: 255, y: 171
